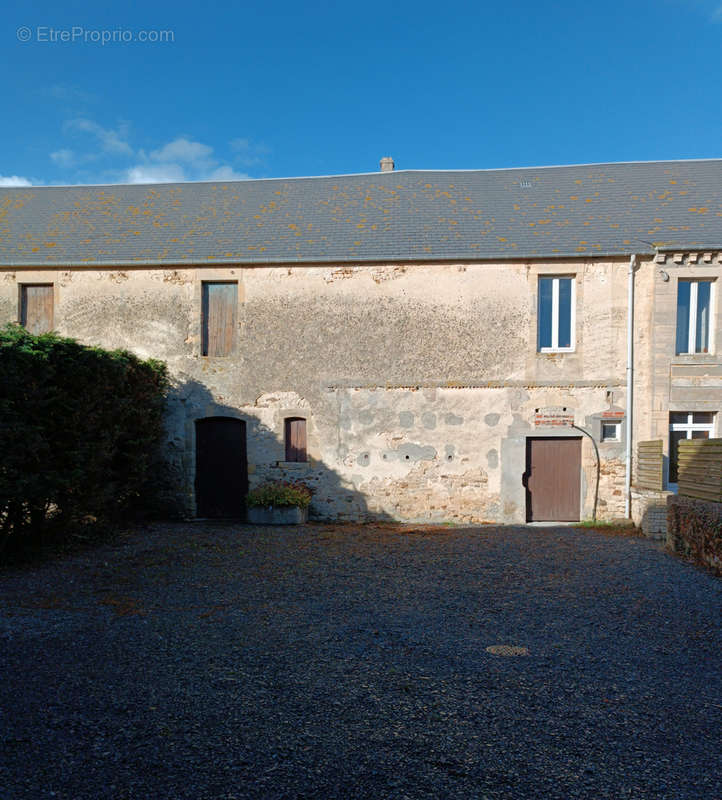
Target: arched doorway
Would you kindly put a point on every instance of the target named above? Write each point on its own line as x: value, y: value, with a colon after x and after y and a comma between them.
x: 221, y: 467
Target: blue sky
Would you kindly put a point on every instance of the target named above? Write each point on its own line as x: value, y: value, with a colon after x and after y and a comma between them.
x: 288, y: 89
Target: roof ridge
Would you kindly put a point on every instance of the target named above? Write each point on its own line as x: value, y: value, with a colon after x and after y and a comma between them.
x: 366, y: 174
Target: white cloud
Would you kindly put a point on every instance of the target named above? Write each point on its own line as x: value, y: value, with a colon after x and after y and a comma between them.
x: 111, y: 141
x: 227, y: 174
x: 155, y: 173
x: 182, y: 149
x: 64, y: 158
x: 177, y: 160
x: 176, y: 173
x: 247, y: 152
x: 14, y: 180
x: 181, y: 159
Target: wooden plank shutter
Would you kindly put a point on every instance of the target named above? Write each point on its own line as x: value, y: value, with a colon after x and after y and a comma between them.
x: 219, y: 304
x: 700, y: 469
x: 650, y: 461
x: 296, y: 439
x: 36, y: 307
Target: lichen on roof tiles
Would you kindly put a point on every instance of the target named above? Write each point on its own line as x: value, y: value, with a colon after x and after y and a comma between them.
x: 381, y: 216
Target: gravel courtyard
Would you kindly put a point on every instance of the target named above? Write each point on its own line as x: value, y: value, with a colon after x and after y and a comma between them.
x: 221, y: 661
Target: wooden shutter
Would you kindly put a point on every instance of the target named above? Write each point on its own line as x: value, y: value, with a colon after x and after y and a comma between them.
x: 36, y: 307
x: 296, y: 439
x: 700, y: 469
x: 219, y: 304
x: 650, y: 461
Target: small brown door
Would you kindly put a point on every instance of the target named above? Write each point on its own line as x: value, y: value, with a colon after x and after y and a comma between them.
x: 552, y: 478
x: 221, y: 468
x: 296, y: 439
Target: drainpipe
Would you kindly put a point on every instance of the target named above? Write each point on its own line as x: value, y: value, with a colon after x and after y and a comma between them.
x: 630, y: 377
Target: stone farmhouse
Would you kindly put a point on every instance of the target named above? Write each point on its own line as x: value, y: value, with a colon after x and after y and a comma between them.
x: 415, y: 345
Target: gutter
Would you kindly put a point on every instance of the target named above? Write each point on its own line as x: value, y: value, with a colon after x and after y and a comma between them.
x: 205, y: 262
x: 630, y: 386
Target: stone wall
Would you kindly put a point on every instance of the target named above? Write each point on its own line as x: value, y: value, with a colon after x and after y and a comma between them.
x: 649, y: 512
x: 429, y: 454
x: 694, y: 529
x: 420, y: 383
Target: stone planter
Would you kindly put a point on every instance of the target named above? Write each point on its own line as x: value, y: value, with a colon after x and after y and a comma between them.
x: 277, y: 515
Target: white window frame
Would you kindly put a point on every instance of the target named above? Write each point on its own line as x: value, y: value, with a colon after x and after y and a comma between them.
x: 555, y: 314
x: 617, y: 431
x: 688, y: 428
x: 692, y: 330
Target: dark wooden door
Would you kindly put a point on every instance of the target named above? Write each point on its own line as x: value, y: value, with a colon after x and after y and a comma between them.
x: 221, y: 467
x: 553, y: 477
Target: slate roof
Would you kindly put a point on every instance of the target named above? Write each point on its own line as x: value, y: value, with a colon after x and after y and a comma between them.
x: 541, y: 212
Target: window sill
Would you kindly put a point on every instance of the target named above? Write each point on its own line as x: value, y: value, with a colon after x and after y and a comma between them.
x: 292, y: 464
x: 549, y: 351
x: 695, y: 358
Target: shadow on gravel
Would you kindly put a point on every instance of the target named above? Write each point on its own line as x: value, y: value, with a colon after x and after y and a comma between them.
x: 198, y: 660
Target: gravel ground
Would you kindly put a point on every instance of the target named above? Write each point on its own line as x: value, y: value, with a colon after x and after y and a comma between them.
x: 211, y: 661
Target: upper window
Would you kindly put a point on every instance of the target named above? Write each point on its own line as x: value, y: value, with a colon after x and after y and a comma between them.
x: 694, y: 316
x: 296, y: 439
x: 686, y: 425
x: 36, y: 307
x: 218, y: 317
x: 556, y: 314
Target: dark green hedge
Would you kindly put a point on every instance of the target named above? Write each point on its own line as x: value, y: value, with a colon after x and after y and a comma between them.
x: 80, y: 432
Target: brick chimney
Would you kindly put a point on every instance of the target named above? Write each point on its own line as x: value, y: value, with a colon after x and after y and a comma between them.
x: 387, y: 164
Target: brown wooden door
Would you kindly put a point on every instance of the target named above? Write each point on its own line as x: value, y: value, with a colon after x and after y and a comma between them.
x: 295, y: 439
x: 36, y: 307
x: 553, y: 476
x: 221, y: 468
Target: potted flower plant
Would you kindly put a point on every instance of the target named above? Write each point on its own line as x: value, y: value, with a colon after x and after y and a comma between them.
x: 278, y: 503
